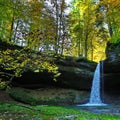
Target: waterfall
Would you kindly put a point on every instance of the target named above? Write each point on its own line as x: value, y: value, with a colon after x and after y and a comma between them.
x: 95, y: 98
x: 95, y: 90
x: 102, y: 80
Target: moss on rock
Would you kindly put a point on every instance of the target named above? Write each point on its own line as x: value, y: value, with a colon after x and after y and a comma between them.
x: 49, y: 96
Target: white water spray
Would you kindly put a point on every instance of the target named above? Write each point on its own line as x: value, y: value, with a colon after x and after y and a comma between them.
x: 95, y: 98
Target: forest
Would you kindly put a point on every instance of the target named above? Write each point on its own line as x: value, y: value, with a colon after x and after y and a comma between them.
x: 53, y: 38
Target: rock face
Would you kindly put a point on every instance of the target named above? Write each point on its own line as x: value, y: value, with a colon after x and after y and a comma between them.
x: 78, y: 74
x: 112, y: 67
x: 75, y: 74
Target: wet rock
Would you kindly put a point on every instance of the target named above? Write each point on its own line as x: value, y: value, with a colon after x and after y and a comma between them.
x: 112, y: 67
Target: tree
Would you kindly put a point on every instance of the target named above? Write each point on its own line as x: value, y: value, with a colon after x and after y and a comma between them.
x: 112, y: 9
x: 59, y: 14
x: 87, y: 29
x: 6, y: 19
x: 84, y: 19
x: 24, y: 22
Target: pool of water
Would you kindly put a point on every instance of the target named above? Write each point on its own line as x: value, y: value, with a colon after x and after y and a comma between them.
x: 105, y: 109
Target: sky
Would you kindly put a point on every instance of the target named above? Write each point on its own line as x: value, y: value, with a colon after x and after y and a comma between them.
x: 68, y: 1
x: 68, y: 9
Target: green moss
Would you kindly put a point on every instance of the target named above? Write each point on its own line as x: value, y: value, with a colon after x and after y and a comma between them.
x: 23, y: 95
x: 18, y: 112
x: 48, y: 96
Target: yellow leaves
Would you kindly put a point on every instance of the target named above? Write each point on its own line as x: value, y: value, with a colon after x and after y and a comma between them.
x: 93, y: 19
x: 34, y: 1
x: 37, y: 70
x: 5, y: 56
x: 113, y: 4
x: 37, y: 7
x: 23, y: 63
x: 7, y: 52
x: 83, y: 8
x: 77, y: 4
x: 84, y: 28
x: 2, y: 84
x: 19, y: 61
x: 51, y: 68
x: 112, y: 1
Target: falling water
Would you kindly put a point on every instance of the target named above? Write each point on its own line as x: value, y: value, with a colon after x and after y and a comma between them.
x: 95, y: 91
x: 102, y: 80
x: 95, y: 98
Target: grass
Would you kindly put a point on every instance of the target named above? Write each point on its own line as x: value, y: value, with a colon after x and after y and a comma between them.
x: 24, y: 112
x: 32, y: 111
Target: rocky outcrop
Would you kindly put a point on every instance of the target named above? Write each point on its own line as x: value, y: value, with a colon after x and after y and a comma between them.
x: 112, y: 63
x: 75, y: 74
x: 112, y: 67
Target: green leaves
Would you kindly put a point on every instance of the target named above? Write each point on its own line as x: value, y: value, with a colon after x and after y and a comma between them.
x: 19, y: 61
x: 88, y: 29
x: 112, y: 18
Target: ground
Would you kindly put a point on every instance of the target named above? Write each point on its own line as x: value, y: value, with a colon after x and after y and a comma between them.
x: 14, y: 110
